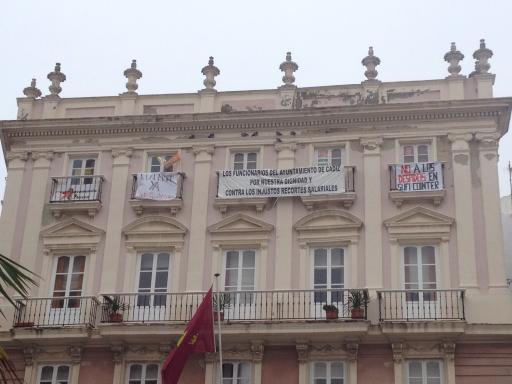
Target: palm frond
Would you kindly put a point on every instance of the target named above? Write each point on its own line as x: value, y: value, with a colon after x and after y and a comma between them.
x: 7, y: 370
x: 14, y: 276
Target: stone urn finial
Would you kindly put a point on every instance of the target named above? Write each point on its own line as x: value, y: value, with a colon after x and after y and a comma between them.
x: 132, y: 74
x: 453, y: 57
x: 288, y: 67
x: 32, y: 92
x: 56, y: 77
x: 482, y: 56
x: 210, y: 71
x: 370, y: 62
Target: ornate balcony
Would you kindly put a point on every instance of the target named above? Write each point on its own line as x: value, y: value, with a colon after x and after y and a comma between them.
x: 238, y: 306
x: 140, y: 203
x: 77, y: 311
x: 421, y: 305
x: 75, y: 195
x: 424, y: 185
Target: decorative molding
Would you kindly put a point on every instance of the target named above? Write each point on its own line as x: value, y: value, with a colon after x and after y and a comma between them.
x: 71, y: 234
x: 331, y: 225
x: 46, y: 155
x: 30, y: 354
x: 154, y: 230
x: 400, y: 197
x: 352, y: 348
x: 118, y: 352
x: 75, y: 353
x: 90, y: 208
x: 224, y: 205
x: 23, y: 156
x: 240, y: 223
x: 173, y: 206
x: 117, y: 152
x: 279, y: 147
x: 198, y: 149
x: 314, y: 202
x: 398, y: 352
x: 302, y: 352
x: 371, y: 144
x: 454, y: 137
x: 257, y: 349
x: 448, y: 348
x: 488, y: 141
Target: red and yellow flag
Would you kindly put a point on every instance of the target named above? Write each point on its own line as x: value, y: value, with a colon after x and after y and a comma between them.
x: 198, y: 337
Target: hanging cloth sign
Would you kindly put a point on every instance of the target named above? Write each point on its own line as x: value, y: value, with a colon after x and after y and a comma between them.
x: 157, y: 186
x: 418, y: 176
x: 246, y: 183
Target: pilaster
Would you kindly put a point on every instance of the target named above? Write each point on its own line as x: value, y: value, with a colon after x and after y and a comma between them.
x: 398, y: 359
x: 15, y: 170
x: 448, y: 349
x: 372, y: 212
x: 488, y: 155
x: 75, y: 355
x: 120, y: 167
x: 461, y: 163
x: 36, y: 201
x: 118, y: 354
x: 284, y: 223
x: 198, y: 224
x: 303, y: 359
x: 257, y: 349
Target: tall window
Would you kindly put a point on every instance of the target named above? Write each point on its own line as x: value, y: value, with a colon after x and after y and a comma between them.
x: 328, y: 274
x: 143, y: 374
x: 236, y: 373
x: 420, y: 271
x: 153, y: 278
x: 245, y: 160
x: 68, y: 281
x: 328, y: 372
x: 329, y: 156
x: 159, y: 163
x: 424, y: 372
x: 54, y: 374
x: 82, y: 167
x: 240, y: 273
x: 415, y: 153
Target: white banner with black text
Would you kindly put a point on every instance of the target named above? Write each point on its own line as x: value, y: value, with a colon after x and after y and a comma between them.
x: 156, y: 186
x: 418, y: 176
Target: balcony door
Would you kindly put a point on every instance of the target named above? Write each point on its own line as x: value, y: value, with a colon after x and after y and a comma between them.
x: 420, y: 280
x: 68, y: 281
x: 328, y: 279
x: 240, y: 274
x: 152, y: 287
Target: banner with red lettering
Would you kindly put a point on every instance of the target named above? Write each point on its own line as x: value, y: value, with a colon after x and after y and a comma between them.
x: 414, y: 177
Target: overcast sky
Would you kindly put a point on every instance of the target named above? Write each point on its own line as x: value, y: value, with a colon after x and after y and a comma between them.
x: 171, y: 40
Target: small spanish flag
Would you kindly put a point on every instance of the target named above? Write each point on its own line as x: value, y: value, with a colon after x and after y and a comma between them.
x: 197, y: 338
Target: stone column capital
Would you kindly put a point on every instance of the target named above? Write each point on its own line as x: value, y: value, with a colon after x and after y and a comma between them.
x: 448, y: 349
x: 75, y: 353
x: 23, y: 156
x: 352, y: 348
x: 302, y: 352
x: 118, y: 152
x: 199, y: 149
x: 398, y: 352
x: 371, y: 145
x: 257, y: 348
x: 488, y: 141
x: 118, y: 352
x: 458, y: 137
x: 45, y: 155
x: 29, y: 354
x: 280, y: 147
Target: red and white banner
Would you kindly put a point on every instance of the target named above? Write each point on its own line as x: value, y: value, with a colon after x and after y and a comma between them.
x: 413, y: 177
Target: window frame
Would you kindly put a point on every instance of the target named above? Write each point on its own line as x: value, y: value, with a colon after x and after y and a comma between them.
x: 436, y: 259
x: 430, y: 141
x: 234, y: 379
x: 346, y: 263
x: 245, y: 153
x: 68, y: 169
x: 330, y: 148
x: 55, y: 367
x: 144, y: 368
x: 423, y: 369
x: 54, y: 264
x: 151, y: 155
x: 240, y: 250
x: 328, y: 377
x: 152, y: 293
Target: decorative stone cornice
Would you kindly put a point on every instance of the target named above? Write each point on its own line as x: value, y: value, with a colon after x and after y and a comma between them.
x: 398, y: 352
x: 75, y: 353
x: 117, y: 152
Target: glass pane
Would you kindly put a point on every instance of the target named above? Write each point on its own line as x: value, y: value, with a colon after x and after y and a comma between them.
x: 161, y: 279
x: 89, y: 163
x: 322, y: 155
x: 336, y: 276
x: 76, y: 282
x: 320, y: 276
x: 135, y: 371
x: 320, y: 381
x: 79, y: 264
x: 145, y: 280
x: 337, y: 256
x: 77, y: 163
x: 152, y: 371
x: 63, y: 373
x: 320, y: 370
x: 46, y: 373
x: 248, y: 278
x: 337, y: 370
x: 248, y: 259
x: 251, y: 156
x: 429, y: 273
x: 162, y: 262
x: 243, y: 371
x: 320, y: 257
x: 433, y: 369
x: 63, y: 264
x: 89, y: 172
x: 423, y: 153
x: 232, y: 259
x: 146, y: 262
x: 433, y: 380
x: 415, y: 381
x: 60, y: 283
x: 410, y: 255
x: 411, y: 274
x: 239, y: 157
x: 336, y: 381
x: 231, y: 278
x: 227, y: 371
x: 414, y: 369
x: 428, y: 255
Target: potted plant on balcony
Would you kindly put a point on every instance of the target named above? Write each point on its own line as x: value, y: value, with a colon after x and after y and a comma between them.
x: 114, y: 307
x: 221, y: 301
x: 358, y: 300
x: 331, y: 311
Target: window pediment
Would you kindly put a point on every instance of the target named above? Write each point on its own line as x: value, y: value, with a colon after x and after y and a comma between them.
x: 419, y: 222
x: 71, y: 233
x: 328, y: 225
x: 154, y: 230
x: 240, y: 224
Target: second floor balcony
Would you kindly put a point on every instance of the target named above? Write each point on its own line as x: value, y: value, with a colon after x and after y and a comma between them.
x: 76, y: 194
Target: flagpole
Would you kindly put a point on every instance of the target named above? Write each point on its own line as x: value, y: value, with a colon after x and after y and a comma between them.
x: 218, y: 325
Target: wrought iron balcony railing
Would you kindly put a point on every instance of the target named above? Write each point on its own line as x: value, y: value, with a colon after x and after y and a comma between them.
x: 237, y: 305
x: 76, y: 188
x: 56, y: 312
x: 172, y: 177
x: 421, y: 304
